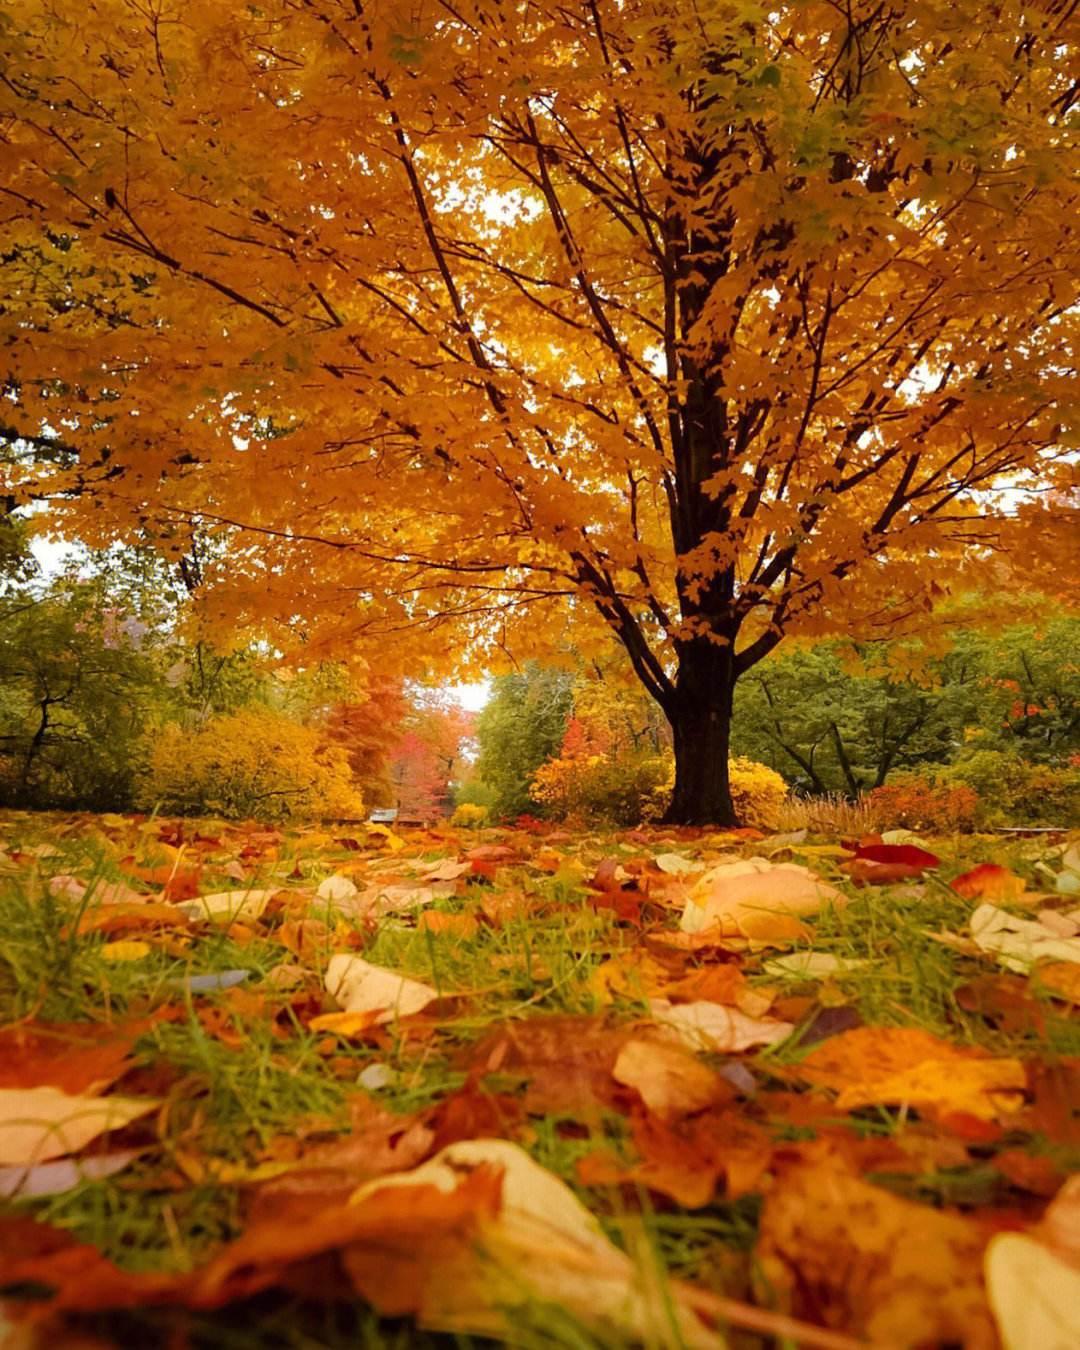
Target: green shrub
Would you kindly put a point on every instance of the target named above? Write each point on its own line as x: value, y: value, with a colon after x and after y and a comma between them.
x: 254, y: 763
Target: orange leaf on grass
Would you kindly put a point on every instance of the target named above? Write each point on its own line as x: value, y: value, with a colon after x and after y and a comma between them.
x: 76, y: 1057
x: 175, y: 883
x: 852, y: 1255
x: 670, y: 1080
x: 903, y: 1066
x: 454, y: 925
x: 685, y: 1160
x: 989, y: 881
x: 132, y: 918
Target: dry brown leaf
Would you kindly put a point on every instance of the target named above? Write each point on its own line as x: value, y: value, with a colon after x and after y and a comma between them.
x: 857, y: 1257
x: 629, y: 974
x: 721, y: 983
x: 566, y: 1060
x: 76, y: 1057
x: 684, y: 1160
x: 670, y: 1080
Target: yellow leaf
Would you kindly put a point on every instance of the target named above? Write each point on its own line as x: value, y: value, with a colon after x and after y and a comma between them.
x: 131, y: 950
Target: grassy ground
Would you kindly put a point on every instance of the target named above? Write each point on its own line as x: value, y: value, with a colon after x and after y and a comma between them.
x: 250, y: 1087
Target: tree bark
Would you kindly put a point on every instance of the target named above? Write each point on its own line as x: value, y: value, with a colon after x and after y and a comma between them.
x: 700, y: 716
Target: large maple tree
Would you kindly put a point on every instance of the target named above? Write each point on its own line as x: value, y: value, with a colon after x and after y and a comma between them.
x: 713, y: 321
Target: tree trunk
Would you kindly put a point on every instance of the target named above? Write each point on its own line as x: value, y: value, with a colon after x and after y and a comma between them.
x: 700, y: 718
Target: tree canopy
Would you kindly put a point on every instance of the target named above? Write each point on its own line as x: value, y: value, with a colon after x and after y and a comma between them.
x: 711, y: 322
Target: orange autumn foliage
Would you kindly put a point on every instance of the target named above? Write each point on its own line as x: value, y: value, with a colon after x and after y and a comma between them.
x: 702, y: 324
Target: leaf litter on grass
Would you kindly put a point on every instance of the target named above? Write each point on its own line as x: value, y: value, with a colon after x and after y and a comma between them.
x: 666, y: 1087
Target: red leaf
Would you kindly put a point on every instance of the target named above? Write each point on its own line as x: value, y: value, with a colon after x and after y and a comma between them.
x: 989, y: 881
x: 904, y: 855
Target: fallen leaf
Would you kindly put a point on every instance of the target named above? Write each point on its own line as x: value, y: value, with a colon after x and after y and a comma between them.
x: 392, y: 841
x: 447, y: 870
x: 567, y: 1062
x: 852, y: 1255
x: 100, y: 893
x: 129, y: 918
x: 901, y: 1066
x: 360, y: 987
x: 670, y: 1081
x: 308, y: 939
x: 812, y: 965
x: 1007, y: 1001
x: 76, y: 1057
x: 676, y: 865
x: 1059, y: 1227
x: 684, y: 1160
x: 989, y: 881
x: 1019, y: 943
x: 538, y: 1244
x: 746, y: 898
x: 41, y: 1123
x: 1061, y: 978
x: 173, y: 882
x: 455, y: 925
x: 902, y: 855
x: 125, y: 951
x: 227, y: 906
x: 1035, y: 1295
x: 337, y: 887
x: 53, y: 1178
x: 632, y: 973
x: 712, y: 1026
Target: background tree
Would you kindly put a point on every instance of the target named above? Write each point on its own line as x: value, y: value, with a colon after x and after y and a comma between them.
x: 831, y: 728
x: 521, y: 725
x: 368, y: 730
x: 719, y: 322
x: 841, y: 719
x: 426, y: 758
x: 77, y: 686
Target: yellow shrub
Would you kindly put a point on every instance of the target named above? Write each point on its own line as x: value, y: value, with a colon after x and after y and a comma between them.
x: 253, y: 763
x: 469, y: 816
x: 621, y: 789
x: 757, y: 793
